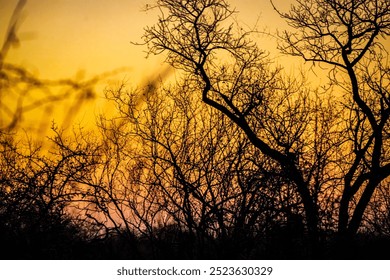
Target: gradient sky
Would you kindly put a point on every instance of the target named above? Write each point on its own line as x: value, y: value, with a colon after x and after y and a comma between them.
x: 83, y: 38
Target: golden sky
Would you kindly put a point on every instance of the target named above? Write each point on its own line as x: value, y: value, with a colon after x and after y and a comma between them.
x: 83, y: 38
x: 59, y: 37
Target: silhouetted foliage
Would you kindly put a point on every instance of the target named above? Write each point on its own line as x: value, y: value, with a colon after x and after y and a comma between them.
x: 34, y: 195
x: 346, y: 36
x: 270, y: 168
x: 232, y: 75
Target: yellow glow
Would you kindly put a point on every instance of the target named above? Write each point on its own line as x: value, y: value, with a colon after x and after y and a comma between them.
x: 79, y: 39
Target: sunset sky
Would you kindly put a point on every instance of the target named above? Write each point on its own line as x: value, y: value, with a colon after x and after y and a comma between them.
x: 295, y: 162
x: 81, y: 38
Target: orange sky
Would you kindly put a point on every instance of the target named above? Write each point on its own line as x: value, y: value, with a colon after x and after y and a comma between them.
x: 60, y: 37
x: 83, y: 38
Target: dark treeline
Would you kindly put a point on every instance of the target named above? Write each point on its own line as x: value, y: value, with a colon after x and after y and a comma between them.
x: 235, y: 160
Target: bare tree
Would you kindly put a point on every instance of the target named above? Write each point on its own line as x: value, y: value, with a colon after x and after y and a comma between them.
x: 346, y: 35
x: 232, y: 75
x: 201, y: 172
x: 35, y: 191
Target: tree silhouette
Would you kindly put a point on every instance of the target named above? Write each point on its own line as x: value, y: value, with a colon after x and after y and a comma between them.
x: 346, y: 36
x: 275, y: 112
x: 35, y: 194
x: 170, y: 163
x: 234, y: 77
x: 235, y: 159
